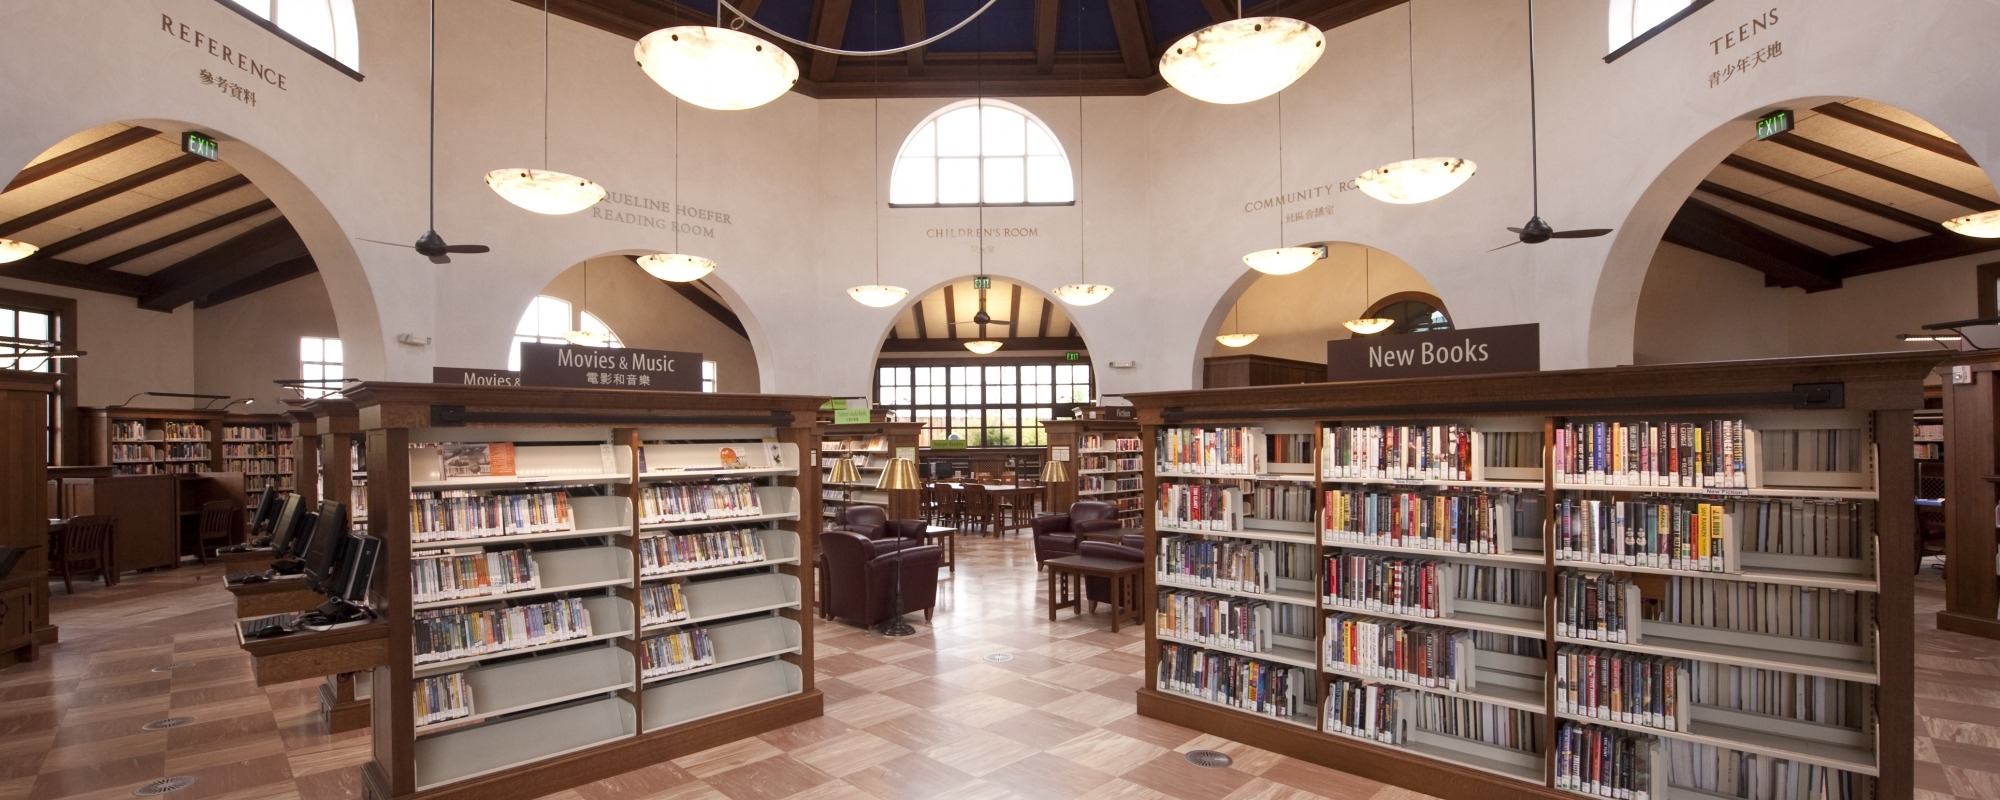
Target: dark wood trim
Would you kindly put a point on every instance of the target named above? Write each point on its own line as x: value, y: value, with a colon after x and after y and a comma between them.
x: 1656, y: 30
x: 1703, y: 227
x: 80, y: 156
x: 146, y: 215
x: 55, y: 272
x: 69, y: 423
x: 1218, y: 11
x: 1895, y: 535
x: 917, y: 313
x: 1988, y: 290
x: 912, y: 14
x: 273, y: 29
x: 1970, y: 625
x: 709, y: 305
x: 829, y: 24
x: 1787, y: 212
x: 1814, y: 187
x: 1046, y: 26
x: 1048, y: 310
x: 1896, y: 130
x: 1402, y: 297
x: 254, y: 251
x: 207, y: 226
x: 1970, y: 414
x: 950, y: 312
x: 1014, y: 311
x: 1880, y: 171
x: 1132, y: 44
x: 100, y: 194
x: 1924, y: 250
x: 1066, y: 343
x: 277, y: 274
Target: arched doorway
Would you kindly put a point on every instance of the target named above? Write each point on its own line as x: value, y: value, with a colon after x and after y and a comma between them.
x: 610, y: 301
x: 1294, y: 316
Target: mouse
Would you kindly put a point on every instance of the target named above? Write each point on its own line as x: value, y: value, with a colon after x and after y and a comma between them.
x: 269, y: 632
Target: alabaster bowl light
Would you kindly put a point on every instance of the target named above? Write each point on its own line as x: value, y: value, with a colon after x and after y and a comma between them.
x: 1983, y: 225
x: 1236, y: 339
x: 545, y: 192
x: 1418, y: 180
x: 1367, y: 325
x: 676, y: 267
x: 982, y: 346
x: 1282, y: 260
x: 12, y: 251
x: 1083, y: 294
x: 877, y: 295
x: 716, y: 68
x: 1241, y: 60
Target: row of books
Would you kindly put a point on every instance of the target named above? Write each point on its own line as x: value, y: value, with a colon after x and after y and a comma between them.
x: 258, y: 466
x: 1389, y: 584
x: 1596, y: 606
x: 1363, y: 710
x: 1731, y: 773
x: 1826, y: 528
x: 1401, y: 452
x: 1109, y: 463
x: 1811, y: 450
x: 1655, y: 533
x: 446, y: 634
x: 1242, y: 566
x: 1623, y: 687
x: 1687, y: 454
x: 1450, y: 520
x: 271, y: 432
x: 1809, y: 612
x: 453, y: 514
x: 1200, y: 506
x: 1232, y: 623
x: 128, y: 431
x: 1606, y: 762
x: 1785, y: 695
x: 662, y: 603
x: 257, y: 450
x: 1210, y: 451
x: 135, y: 431
x: 663, y: 555
x: 675, y: 652
x: 1283, y: 502
x: 1288, y: 448
x: 682, y: 502
x: 1251, y: 684
x: 456, y: 575
x: 1499, y: 726
x: 442, y: 698
x: 1089, y: 484
x: 1098, y: 441
x: 1513, y: 449
x: 281, y: 481
x: 157, y: 452
x: 1426, y: 655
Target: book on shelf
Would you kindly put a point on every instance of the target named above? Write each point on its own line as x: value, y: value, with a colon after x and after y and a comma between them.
x: 1200, y: 506
x: 1246, y: 682
x: 1709, y: 454
x: 1596, y: 606
x: 453, y: 633
x: 442, y: 698
x: 459, y: 574
x: 1453, y: 520
x: 1251, y: 626
x: 683, y: 502
x: 1389, y: 584
x: 1402, y: 452
x: 1242, y: 566
x: 662, y: 603
x: 475, y: 459
x: 1661, y: 534
x: 1607, y: 762
x: 1211, y: 451
x: 1364, y: 710
x: 1412, y: 652
x: 676, y: 652
x: 1282, y: 502
x: 1475, y: 721
x: 1649, y: 691
x: 665, y: 555
x: 454, y: 514
x: 184, y: 431
x: 1725, y: 772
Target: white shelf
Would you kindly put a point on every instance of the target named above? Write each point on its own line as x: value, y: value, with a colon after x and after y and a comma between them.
x: 1104, y: 492
x: 741, y: 642
x: 610, y: 618
x: 1294, y: 598
x: 780, y: 547
x: 1511, y: 559
x: 1265, y: 536
x: 1440, y: 483
x: 521, y: 481
x: 678, y: 702
x: 777, y: 502
x: 560, y: 571
x: 1461, y: 619
x: 1768, y: 739
x: 1308, y: 716
x: 1282, y: 655
x: 1737, y: 655
x: 1485, y: 692
x: 1279, y: 477
x: 528, y: 684
x: 517, y: 538
x: 1823, y: 580
x: 1431, y: 745
x: 469, y: 753
x: 1720, y: 492
x: 734, y: 597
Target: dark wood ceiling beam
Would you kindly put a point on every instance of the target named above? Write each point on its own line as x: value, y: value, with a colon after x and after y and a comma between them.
x: 1045, y: 35
x: 205, y: 227
x: 912, y: 13
x: 1324, y: 14
x: 1048, y: 310
x: 1013, y: 343
x: 1703, y: 227
x: 100, y: 194
x: 1810, y: 186
x: 279, y: 273
x: 917, y: 312
x: 1898, y: 131
x: 259, y: 249
x: 951, y: 312
x: 1132, y: 42
x: 713, y: 307
x: 147, y: 214
x: 1925, y: 250
x: 1879, y: 171
x: 829, y: 25
x: 1014, y: 312
x: 1787, y: 212
x: 80, y: 156
x: 56, y: 272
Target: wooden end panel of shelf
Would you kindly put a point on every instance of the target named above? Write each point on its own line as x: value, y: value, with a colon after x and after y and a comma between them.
x: 1968, y: 624
x: 317, y: 654
x: 1427, y: 775
x: 1895, y: 659
x: 389, y: 520
x: 1972, y: 420
x: 274, y: 597
x: 338, y: 706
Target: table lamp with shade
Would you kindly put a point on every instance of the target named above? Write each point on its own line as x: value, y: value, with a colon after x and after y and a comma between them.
x: 899, y: 476
x: 1053, y: 472
x: 845, y: 475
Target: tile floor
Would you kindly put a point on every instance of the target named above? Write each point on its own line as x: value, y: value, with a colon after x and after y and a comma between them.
x: 920, y: 717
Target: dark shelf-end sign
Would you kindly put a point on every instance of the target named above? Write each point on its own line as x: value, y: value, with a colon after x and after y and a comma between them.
x: 1468, y: 351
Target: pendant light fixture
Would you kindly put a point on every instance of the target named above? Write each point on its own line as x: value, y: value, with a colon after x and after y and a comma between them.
x: 1983, y: 225
x: 677, y: 267
x: 1243, y: 59
x: 1367, y: 325
x: 1083, y: 292
x: 1238, y: 338
x: 1281, y: 260
x: 877, y: 294
x: 545, y: 191
x: 982, y: 345
x: 578, y: 335
x: 12, y: 250
x: 1417, y: 180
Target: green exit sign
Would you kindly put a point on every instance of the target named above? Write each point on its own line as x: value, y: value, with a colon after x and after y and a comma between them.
x: 1774, y: 123
x: 1071, y: 356
x: 200, y: 146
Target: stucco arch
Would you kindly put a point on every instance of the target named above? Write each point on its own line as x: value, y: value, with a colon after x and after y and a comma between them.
x: 914, y: 296
x: 1383, y: 286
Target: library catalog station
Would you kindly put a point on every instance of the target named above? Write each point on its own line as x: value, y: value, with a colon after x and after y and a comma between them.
x: 1095, y: 399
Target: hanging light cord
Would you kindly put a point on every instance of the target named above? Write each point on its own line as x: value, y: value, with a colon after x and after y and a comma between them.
x: 675, y: 218
x: 434, y: 118
x: 1410, y: 22
x: 545, y: 85
x: 1534, y: 133
x: 875, y: 145
x: 1367, y: 270
x: 722, y: 4
x: 1281, y: 168
x: 1081, y: 268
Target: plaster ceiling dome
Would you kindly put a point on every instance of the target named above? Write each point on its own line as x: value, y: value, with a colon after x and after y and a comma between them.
x: 1242, y: 60
x: 716, y: 68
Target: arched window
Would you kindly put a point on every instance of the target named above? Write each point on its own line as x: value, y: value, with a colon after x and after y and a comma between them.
x: 1631, y: 18
x: 325, y: 25
x: 549, y: 320
x: 970, y: 153
x: 1412, y: 312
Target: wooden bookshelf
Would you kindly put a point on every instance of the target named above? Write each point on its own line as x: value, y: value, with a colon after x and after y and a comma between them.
x: 24, y: 518
x: 871, y: 445
x: 1104, y: 463
x: 1812, y: 501
x: 155, y: 441
x: 637, y: 470
x: 262, y: 447
x: 1972, y: 487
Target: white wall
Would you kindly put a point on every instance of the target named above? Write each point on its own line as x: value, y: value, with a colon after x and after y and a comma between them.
x: 1295, y: 315
x: 243, y: 345
x: 129, y: 350
x: 645, y: 313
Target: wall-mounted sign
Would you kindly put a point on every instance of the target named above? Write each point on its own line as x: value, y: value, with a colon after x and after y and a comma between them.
x: 468, y: 376
x: 1468, y: 351
x: 1774, y: 123
x: 576, y: 367
x: 200, y: 146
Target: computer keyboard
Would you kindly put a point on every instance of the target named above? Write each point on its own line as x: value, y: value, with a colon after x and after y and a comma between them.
x: 257, y: 576
x: 264, y: 627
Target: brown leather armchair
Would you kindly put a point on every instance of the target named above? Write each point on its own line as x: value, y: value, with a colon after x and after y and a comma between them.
x: 873, y: 523
x: 861, y: 576
x: 1056, y: 535
x: 869, y: 521
x: 1098, y: 590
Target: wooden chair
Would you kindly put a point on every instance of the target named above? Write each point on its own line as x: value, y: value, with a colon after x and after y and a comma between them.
x: 86, y: 548
x: 221, y: 521
x: 977, y: 507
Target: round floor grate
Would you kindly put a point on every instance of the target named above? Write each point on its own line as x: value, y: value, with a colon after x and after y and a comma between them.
x: 1209, y: 758
x: 163, y: 786
x: 998, y: 658
x: 170, y: 722
x: 166, y: 667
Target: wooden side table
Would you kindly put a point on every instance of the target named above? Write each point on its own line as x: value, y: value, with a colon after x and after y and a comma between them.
x: 946, y: 536
x: 1066, y: 576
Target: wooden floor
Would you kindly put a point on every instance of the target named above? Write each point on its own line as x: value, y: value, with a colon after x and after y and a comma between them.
x: 921, y: 717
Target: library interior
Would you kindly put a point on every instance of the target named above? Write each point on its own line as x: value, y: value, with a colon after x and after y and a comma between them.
x: 990, y: 399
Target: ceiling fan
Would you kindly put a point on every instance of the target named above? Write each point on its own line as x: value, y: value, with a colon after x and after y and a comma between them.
x: 982, y: 319
x: 431, y: 244
x: 1535, y: 231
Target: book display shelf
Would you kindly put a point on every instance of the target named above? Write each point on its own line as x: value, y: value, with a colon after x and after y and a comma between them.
x: 156, y: 441
x: 1972, y: 489
x: 1656, y: 583
x: 583, y: 582
x: 24, y: 477
x: 1104, y: 465
x: 328, y: 431
x: 871, y: 445
x: 260, y: 447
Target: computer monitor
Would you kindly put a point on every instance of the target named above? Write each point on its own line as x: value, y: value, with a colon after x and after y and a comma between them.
x: 324, y: 548
x: 285, y: 529
x: 267, y: 508
x: 358, y: 568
